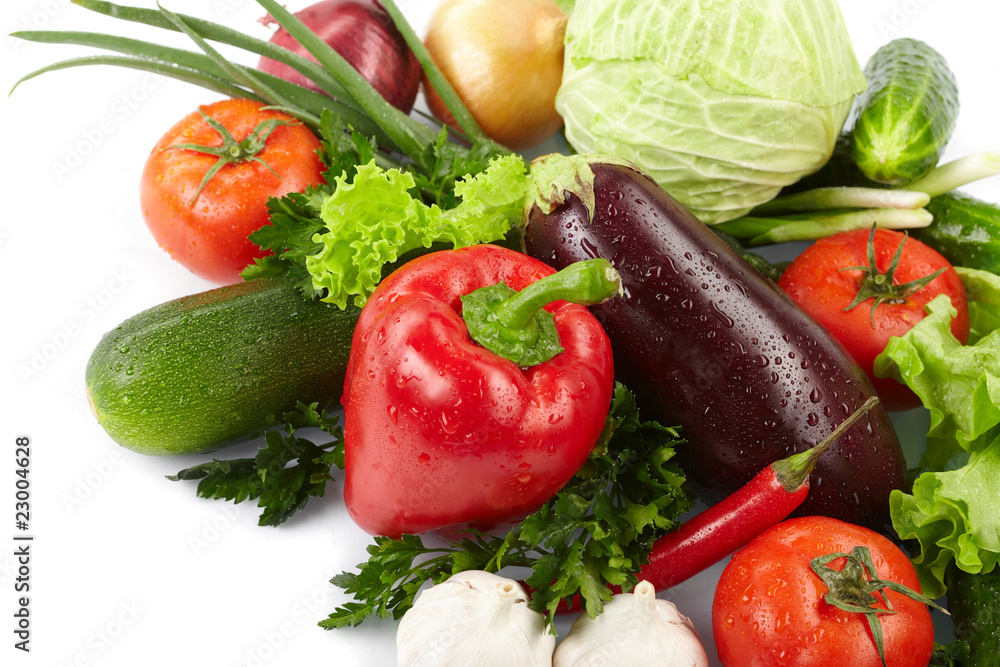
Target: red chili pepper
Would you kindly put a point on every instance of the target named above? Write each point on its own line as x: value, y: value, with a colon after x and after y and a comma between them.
x: 444, y: 432
x: 764, y: 501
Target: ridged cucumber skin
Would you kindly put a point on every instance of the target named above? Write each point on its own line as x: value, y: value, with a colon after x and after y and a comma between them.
x: 972, y: 602
x: 965, y: 230
x: 198, y: 373
x: 906, y: 117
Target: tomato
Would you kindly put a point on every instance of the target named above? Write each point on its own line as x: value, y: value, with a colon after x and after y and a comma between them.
x: 769, y: 606
x: 207, y: 230
x: 817, y: 281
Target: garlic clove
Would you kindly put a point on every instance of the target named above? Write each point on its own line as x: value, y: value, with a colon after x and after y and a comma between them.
x: 634, y: 629
x: 474, y: 618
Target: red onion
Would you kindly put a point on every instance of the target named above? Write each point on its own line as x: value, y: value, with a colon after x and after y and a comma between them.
x: 363, y: 33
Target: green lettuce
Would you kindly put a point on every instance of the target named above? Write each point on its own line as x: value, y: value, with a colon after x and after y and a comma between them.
x: 954, y: 508
x: 722, y: 103
x: 374, y: 219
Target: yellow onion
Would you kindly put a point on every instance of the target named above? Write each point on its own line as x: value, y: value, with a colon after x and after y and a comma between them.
x: 504, y: 58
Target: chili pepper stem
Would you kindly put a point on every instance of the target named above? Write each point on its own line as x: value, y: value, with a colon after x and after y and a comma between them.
x: 792, y: 472
x: 587, y: 283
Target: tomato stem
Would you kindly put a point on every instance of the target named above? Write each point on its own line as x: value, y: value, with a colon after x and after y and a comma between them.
x: 232, y: 151
x: 880, y: 286
x: 853, y: 587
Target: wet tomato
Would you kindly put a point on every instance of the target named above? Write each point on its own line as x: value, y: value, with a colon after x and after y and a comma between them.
x: 771, y: 605
x: 865, y: 298
x: 206, y: 183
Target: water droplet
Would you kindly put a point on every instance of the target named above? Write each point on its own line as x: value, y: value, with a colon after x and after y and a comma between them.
x: 815, y: 395
x: 393, y: 413
x: 721, y: 316
x: 424, y: 459
x: 761, y: 361
x: 812, y: 419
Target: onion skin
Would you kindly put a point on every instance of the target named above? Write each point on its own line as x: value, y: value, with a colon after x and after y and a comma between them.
x: 505, y: 61
x: 363, y: 33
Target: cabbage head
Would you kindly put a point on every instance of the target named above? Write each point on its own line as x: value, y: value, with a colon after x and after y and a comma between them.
x: 723, y: 102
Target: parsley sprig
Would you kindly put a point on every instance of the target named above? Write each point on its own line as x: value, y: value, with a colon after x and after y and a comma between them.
x: 597, y: 531
x: 286, y: 472
x: 296, y: 219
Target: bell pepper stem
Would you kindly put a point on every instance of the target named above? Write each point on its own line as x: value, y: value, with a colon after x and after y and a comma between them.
x: 515, y: 325
x: 588, y: 282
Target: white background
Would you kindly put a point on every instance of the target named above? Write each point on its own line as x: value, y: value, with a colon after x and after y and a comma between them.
x: 127, y: 567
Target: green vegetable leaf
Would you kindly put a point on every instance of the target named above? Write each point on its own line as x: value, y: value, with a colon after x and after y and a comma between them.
x: 284, y: 475
x: 295, y: 218
x: 373, y: 218
x: 952, y: 654
x: 952, y: 509
x: 597, y: 531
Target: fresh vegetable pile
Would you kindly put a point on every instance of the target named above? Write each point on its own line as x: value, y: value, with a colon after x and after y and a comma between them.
x: 537, y: 367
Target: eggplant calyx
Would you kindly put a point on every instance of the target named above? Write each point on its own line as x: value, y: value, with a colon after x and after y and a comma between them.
x: 880, y: 286
x: 553, y: 176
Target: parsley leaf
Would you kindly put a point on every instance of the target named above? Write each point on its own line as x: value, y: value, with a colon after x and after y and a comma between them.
x: 597, y: 531
x: 286, y: 472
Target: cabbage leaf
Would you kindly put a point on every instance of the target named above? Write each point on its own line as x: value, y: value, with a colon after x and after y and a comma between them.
x: 723, y: 103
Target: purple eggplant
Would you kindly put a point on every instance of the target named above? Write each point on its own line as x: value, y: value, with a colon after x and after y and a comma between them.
x: 706, y: 341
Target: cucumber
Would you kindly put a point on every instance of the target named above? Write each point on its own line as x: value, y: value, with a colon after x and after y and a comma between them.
x: 906, y: 117
x: 972, y: 602
x: 202, y: 372
x: 965, y: 230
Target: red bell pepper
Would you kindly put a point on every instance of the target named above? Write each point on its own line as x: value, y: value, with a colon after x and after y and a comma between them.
x: 442, y: 432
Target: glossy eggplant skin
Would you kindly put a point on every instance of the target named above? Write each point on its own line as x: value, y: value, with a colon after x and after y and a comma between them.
x: 706, y: 341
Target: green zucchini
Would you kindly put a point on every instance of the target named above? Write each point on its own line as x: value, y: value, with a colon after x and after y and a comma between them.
x: 906, y: 117
x: 202, y: 372
x: 965, y: 230
x: 972, y: 603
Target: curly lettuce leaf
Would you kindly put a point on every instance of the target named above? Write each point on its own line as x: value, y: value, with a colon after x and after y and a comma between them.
x: 983, y: 291
x: 953, y: 514
x: 373, y: 219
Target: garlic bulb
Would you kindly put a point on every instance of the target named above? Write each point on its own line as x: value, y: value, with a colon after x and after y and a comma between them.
x: 476, y: 619
x: 634, y: 629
